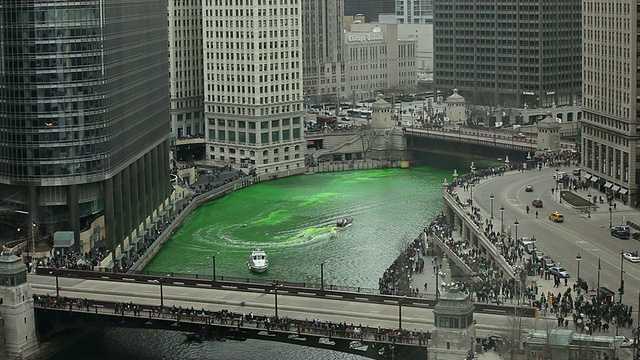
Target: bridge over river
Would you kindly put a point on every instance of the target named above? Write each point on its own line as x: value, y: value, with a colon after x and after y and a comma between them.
x: 367, y: 311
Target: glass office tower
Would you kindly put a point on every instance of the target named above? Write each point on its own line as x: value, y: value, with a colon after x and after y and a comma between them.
x: 84, y: 118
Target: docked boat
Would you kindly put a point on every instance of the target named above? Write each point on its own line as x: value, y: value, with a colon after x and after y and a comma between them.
x: 258, y: 261
x: 343, y: 222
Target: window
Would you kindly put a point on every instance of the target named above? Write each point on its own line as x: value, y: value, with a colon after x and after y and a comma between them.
x: 275, y: 136
x: 264, y: 138
x: 222, y: 135
x: 242, y: 124
x: 264, y: 125
x: 221, y: 149
x: 220, y: 122
x: 231, y: 123
x: 252, y: 125
x: 275, y: 123
x: 296, y: 134
x: 242, y: 137
x: 252, y: 139
x: 286, y: 134
x: 232, y: 136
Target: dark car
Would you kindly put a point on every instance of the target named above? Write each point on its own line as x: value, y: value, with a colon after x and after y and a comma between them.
x: 621, y: 231
x: 537, y: 203
x: 636, y: 235
x: 528, y: 188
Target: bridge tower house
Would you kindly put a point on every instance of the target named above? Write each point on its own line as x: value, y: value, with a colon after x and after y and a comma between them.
x: 456, y: 108
x: 16, y: 308
x: 455, y: 331
x: 381, y: 113
x: 549, y: 134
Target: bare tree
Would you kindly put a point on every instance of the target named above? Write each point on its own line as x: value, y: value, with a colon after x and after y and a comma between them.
x: 368, y: 138
x: 517, y: 324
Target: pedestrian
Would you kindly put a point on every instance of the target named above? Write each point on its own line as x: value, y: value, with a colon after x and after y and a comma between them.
x: 552, y: 190
x: 527, y: 209
x: 425, y: 286
x: 536, y: 214
x: 614, y: 205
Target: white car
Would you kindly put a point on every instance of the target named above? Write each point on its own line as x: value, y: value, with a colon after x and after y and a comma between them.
x: 632, y: 256
x: 626, y: 342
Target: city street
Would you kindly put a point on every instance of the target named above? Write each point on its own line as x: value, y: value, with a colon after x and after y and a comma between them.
x: 578, y: 234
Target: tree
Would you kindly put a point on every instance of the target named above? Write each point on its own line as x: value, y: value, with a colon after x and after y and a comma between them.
x: 368, y: 138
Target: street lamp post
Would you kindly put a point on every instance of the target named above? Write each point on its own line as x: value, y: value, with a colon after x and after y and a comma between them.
x: 589, y: 199
x: 213, y: 265
x: 400, y: 312
x: 610, y: 216
x: 502, y: 218
x: 159, y: 282
x: 57, y: 285
x: 275, y: 292
x: 455, y: 177
x: 578, y: 259
x: 491, y: 197
x: 322, y: 276
x: 516, y: 223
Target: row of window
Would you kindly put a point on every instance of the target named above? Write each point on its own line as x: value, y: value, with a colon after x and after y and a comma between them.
x: 241, y: 137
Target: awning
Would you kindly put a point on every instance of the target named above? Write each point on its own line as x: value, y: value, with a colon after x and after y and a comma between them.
x: 163, y: 212
x: 119, y: 256
x: 615, y: 188
x: 594, y: 178
x: 128, y: 247
x: 587, y: 176
x: 150, y: 225
x: 608, y: 185
x: 110, y: 266
x: 135, y: 240
x: 623, y: 191
x: 601, y: 181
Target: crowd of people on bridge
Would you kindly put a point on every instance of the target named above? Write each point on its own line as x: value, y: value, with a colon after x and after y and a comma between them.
x: 237, y: 319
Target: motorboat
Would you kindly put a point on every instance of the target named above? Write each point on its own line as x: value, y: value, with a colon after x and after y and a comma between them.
x: 258, y: 261
x: 343, y: 222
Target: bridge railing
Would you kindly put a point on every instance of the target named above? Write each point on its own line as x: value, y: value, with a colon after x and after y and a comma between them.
x: 234, y: 320
x: 457, y: 137
x: 335, y: 292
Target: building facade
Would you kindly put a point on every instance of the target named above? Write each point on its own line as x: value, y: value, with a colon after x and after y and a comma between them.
x: 84, y: 114
x: 414, y: 11
x: 253, y: 85
x: 323, y: 59
x: 377, y: 61
x: 509, y: 53
x: 610, y: 103
x: 186, y: 68
x: 370, y: 9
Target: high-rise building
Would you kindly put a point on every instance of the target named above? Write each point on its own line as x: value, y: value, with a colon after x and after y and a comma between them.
x: 371, y: 9
x: 186, y: 68
x: 253, y: 85
x: 509, y: 53
x: 322, y: 38
x: 84, y: 117
x: 414, y: 11
x: 610, y: 97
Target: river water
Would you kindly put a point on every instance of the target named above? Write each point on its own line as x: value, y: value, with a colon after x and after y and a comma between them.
x: 293, y: 220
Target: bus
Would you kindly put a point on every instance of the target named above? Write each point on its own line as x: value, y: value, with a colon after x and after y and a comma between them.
x: 360, y: 113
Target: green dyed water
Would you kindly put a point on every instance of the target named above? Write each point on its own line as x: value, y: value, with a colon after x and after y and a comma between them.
x: 294, y: 221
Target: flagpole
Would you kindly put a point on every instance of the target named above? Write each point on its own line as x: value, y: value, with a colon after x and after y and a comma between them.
x: 598, y: 289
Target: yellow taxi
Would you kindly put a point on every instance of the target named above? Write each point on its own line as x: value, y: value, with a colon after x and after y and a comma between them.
x: 556, y: 217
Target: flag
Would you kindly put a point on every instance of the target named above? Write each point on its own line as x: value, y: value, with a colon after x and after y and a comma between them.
x: 599, y: 268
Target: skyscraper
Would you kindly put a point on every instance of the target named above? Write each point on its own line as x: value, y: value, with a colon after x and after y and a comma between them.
x: 84, y: 118
x: 253, y: 85
x: 186, y: 67
x: 509, y: 53
x: 323, y: 38
x: 610, y: 97
x: 414, y: 11
x: 369, y: 8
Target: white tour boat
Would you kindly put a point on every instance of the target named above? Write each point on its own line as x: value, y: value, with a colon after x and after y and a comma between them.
x: 258, y: 261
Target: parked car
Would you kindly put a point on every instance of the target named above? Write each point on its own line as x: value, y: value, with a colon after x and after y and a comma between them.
x: 626, y: 342
x: 576, y: 172
x: 632, y: 256
x: 560, y: 271
x: 548, y: 262
x: 621, y: 231
x: 556, y: 217
x: 537, y: 203
x: 636, y: 235
x: 538, y: 255
x: 528, y: 188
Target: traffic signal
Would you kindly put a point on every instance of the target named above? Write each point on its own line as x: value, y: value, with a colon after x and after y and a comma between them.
x: 537, y: 314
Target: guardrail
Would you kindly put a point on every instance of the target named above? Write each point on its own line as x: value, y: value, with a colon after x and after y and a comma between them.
x: 492, y: 143
x: 491, y: 248
x: 283, y: 288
